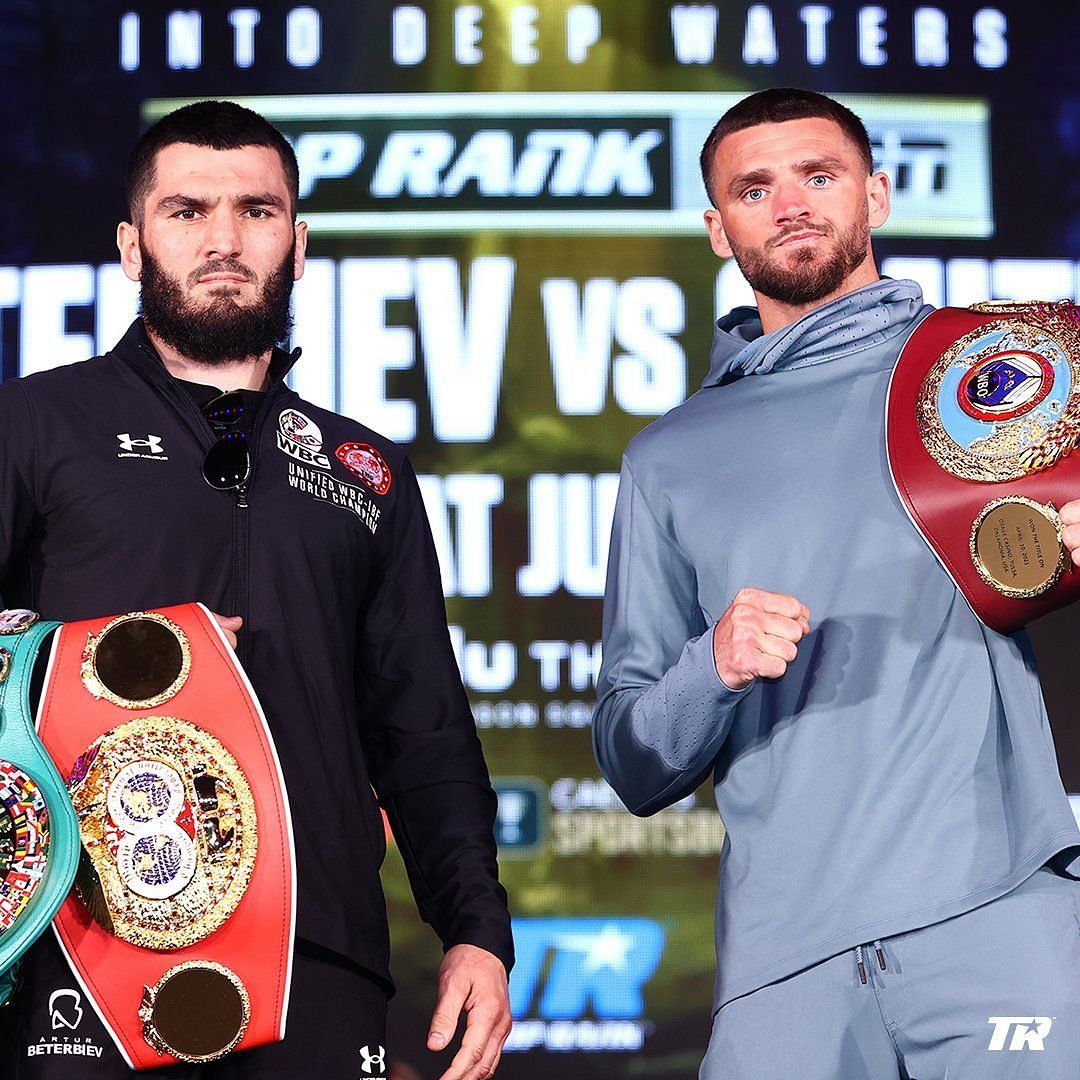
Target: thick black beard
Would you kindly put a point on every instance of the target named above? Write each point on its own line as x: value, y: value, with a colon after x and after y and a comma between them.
x: 801, y: 283
x: 221, y: 332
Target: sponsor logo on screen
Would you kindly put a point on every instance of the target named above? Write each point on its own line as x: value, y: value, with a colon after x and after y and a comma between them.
x: 578, y: 983
x: 520, y: 818
x: 603, y: 162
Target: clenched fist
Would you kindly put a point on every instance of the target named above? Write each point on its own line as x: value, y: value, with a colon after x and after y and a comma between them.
x: 757, y: 636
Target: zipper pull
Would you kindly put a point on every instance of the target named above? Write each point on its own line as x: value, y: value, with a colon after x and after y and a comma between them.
x: 241, y: 497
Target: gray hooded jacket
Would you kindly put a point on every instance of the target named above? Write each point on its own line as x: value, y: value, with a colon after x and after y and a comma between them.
x: 902, y: 771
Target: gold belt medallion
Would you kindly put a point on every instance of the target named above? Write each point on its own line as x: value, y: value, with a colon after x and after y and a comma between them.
x: 1003, y: 401
x: 168, y: 828
x: 197, y: 1011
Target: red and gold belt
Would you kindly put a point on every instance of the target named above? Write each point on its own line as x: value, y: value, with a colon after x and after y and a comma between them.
x: 180, y: 927
x: 983, y: 413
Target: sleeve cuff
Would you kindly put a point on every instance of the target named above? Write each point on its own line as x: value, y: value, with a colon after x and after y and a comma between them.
x: 699, y: 654
x: 498, y: 945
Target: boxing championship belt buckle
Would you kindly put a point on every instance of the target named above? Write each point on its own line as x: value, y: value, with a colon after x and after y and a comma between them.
x: 39, y: 833
x: 181, y: 922
x: 982, y: 413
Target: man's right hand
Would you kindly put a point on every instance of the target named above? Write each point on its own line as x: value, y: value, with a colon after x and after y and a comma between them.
x: 757, y: 636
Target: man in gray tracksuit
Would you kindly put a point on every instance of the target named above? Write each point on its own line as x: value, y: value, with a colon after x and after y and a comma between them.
x: 899, y: 891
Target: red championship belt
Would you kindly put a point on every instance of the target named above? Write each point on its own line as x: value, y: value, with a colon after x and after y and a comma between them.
x: 180, y: 926
x: 983, y: 411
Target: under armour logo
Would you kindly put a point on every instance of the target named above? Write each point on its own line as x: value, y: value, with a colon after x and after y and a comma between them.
x: 59, y: 1020
x: 151, y: 442
x: 1028, y: 1032
x: 373, y: 1062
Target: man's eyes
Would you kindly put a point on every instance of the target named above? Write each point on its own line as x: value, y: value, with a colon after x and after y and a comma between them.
x: 256, y: 212
x: 756, y: 194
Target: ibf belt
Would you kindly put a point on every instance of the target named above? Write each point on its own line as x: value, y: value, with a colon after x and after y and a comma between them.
x: 983, y: 411
x: 39, y: 833
x: 181, y: 923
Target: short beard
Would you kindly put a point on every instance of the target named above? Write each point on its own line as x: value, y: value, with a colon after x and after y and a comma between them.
x: 805, y: 281
x: 221, y: 331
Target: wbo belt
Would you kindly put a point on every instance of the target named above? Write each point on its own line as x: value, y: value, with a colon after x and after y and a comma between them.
x: 39, y: 833
x: 181, y: 923
x: 982, y: 413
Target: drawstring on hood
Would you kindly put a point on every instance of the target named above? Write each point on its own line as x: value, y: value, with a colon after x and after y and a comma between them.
x: 855, y: 321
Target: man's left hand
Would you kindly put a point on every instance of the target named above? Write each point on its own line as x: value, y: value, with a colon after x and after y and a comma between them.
x: 473, y: 981
x: 1070, y: 534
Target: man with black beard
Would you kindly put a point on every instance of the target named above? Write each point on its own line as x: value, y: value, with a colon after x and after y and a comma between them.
x: 180, y: 467
x: 898, y: 883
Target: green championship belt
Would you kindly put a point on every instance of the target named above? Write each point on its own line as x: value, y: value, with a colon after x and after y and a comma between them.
x: 39, y: 833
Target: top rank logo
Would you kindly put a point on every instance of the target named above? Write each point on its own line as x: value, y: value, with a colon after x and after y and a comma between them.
x: 300, y: 438
x: 1028, y: 1032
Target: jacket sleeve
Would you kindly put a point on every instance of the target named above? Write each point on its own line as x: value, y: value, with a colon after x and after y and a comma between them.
x: 17, y: 504
x: 427, y: 765
x: 663, y: 711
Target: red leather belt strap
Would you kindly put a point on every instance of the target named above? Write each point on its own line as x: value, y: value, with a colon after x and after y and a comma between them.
x: 255, y: 942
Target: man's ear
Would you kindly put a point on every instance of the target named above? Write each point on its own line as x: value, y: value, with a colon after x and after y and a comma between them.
x: 717, y: 237
x: 300, y: 252
x: 877, y: 199
x: 127, y: 240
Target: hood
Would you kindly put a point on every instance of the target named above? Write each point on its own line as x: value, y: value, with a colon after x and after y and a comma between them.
x: 868, y: 315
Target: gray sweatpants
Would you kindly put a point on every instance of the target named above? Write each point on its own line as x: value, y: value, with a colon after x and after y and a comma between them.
x: 989, y: 994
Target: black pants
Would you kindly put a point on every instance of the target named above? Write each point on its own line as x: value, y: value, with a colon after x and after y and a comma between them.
x: 335, y: 1030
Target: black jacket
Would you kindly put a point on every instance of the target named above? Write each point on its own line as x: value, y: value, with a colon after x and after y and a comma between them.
x: 103, y: 509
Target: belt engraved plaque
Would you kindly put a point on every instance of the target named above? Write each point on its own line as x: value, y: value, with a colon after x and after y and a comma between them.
x: 168, y: 828
x: 1016, y: 546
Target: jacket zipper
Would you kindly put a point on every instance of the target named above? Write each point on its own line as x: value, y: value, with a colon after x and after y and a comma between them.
x: 241, y: 560
x: 242, y: 526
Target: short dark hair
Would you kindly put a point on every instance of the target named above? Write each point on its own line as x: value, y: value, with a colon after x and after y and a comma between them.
x: 776, y: 106
x: 221, y: 125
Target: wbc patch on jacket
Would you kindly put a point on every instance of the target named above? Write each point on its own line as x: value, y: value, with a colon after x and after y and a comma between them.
x: 300, y: 438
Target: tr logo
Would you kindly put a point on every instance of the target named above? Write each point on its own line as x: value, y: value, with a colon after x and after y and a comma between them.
x: 569, y: 968
x: 1028, y: 1033
x: 373, y: 1062
x: 151, y: 442
x: 59, y: 1020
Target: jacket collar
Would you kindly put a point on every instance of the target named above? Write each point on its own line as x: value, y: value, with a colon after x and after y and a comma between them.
x: 137, y: 350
